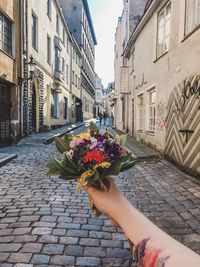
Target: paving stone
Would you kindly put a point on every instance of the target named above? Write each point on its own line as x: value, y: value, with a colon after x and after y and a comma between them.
x: 59, y: 232
x: 63, y: 260
x: 69, y: 225
x: 23, y: 265
x: 95, y: 251
x: 32, y: 247
x: 6, y: 239
x: 111, y: 243
x: 44, y: 224
x: 48, y: 218
x: 77, y: 233
x: 10, y: 247
x: 88, y: 261
x: 74, y: 250
x: 69, y: 240
x: 91, y: 227
x: 89, y: 242
x: 53, y: 249
x: 28, y: 219
x: 40, y: 259
x: 25, y: 238
x: 100, y: 235
x: 41, y: 231
x: 118, y: 253
x: 20, y: 257
x: 4, y: 257
x: 5, y: 232
x: 22, y: 231
x: 48, y: 239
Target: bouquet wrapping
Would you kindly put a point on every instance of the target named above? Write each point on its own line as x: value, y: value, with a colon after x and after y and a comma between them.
x: 90, y: 157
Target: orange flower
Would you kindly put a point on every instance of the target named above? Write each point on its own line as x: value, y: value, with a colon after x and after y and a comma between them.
x: 96, y: 155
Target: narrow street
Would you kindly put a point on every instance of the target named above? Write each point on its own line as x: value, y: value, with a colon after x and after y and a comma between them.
x: 43, y: 222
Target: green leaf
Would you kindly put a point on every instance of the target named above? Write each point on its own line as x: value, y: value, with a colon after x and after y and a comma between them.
x: 128, y: 165
x: 53, y: 167
x: 123, y: 139
x: 128, y: 157
x: 68, y: 138
x: 114, y: 168
x: 61, y: 145
x: 93, y: 127
x: 67, y: 166
x: 71, y: 163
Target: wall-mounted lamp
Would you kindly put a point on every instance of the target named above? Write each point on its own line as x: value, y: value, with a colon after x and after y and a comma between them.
x: 32, y: 67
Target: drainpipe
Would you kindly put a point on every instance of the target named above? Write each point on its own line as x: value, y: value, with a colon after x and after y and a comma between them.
x: 26, y: 47
x: 21, y: 87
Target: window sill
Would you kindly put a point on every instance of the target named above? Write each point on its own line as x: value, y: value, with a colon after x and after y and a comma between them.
x: 36, y: 49
x: 189, y: 34
x: 160, y: 57
x: 10, y: 56
x: 140, y: 131
x: 54, y: 118
x: 150, y: 133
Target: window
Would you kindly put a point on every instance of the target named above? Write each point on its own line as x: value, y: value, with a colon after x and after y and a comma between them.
x: 79, y: 83
x: 57, y: 24
x: 49, y: 8
x: 65, y: 107
x: 76, y: 80
x: 192, y: 15
x: 48, y: 50
x: 34, y: 31
x: 54, y: 104
x: 64, y: 37
x: 152, y: 111
x: 67, y: 73
x: 164, y: 24
x: 67, y: 45
x: 5, y: 34
x: 58, y: 60
x: 141, y: 112
x: 133, y: 59
x: 72, y: 77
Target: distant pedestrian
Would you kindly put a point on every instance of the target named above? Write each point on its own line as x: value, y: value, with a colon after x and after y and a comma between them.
x: 105, y: 118
x: 100, y: 118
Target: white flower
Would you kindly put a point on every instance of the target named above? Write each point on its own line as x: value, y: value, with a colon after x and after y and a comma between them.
x: 70, y: 153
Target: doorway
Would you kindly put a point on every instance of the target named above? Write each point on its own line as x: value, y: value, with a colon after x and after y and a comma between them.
x: 5, y: 105
x: 34, y: 110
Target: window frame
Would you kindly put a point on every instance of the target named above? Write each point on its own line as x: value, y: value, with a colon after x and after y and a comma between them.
x: 5, y: 20
x: 55, y: 109
x: 151, y: 127
x: 141, y: 112
x: 34, y: 45
x: 196, y: 18
x: 49, y: 47
x: 163, y: 9
x: 49, y: 8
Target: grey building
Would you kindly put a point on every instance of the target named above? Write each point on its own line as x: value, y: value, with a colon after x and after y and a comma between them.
x: 79, y: 21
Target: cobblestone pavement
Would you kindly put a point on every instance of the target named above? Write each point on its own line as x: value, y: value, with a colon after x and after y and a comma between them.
x: 43, y: 222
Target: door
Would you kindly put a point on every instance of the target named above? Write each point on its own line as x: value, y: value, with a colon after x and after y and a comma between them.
x: 5, y: 104
x: 133, y: 124
x: 34, y: 111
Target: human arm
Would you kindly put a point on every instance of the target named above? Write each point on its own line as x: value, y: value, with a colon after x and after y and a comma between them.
x: 153, y: 247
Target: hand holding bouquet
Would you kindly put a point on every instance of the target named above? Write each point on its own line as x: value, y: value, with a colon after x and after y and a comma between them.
x: 90, y: 157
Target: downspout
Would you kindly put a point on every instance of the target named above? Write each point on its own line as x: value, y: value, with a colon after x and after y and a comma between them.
x: 26, y: 47
x: 21, y: 87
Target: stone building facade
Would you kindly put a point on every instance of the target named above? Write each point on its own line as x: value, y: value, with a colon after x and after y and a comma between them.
x: 132, y: 12
x: 9, y: 71
x: 77, y: 15
x: 99, y: 97
x: 49, y: 99
x: 163, y: 80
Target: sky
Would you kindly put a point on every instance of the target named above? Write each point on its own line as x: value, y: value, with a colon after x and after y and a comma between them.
x: 105, y: 15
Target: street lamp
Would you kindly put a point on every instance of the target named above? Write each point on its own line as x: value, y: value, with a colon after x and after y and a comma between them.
x: 32, y: 67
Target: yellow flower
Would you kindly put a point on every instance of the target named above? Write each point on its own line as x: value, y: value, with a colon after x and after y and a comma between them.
x: 104, y: 165
x: 84, y: 136
x: 82, y: 179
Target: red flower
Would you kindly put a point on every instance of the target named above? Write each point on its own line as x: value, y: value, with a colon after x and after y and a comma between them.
x: 96, y: 155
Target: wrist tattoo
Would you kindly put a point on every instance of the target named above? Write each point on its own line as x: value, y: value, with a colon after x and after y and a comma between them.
x: 146, y: 257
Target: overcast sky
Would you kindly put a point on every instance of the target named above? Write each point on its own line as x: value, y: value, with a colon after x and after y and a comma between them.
x: 105, y: 15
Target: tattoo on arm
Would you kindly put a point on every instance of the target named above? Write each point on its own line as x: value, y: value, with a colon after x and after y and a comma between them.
x: 146, y: 257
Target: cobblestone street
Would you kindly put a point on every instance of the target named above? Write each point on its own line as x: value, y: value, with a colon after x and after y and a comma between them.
x: 43, y: 222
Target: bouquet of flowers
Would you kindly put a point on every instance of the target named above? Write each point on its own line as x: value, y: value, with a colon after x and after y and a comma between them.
x: 90, y: 157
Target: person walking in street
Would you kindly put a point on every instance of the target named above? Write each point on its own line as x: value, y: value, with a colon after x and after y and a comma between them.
x: 151, y: 246
x: 100, y: 118
x: 105, y: 118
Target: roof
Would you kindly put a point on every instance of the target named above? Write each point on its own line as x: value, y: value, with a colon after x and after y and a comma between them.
x: 87, y: 10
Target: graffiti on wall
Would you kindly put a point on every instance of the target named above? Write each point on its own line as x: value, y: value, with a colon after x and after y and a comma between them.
x: 161, y: 116
x: 191, y: 88
x: 183, y: 124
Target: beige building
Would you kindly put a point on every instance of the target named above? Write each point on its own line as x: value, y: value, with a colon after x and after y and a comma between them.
x: 164, y: 80
x: 54, y: 92
x: 9, y: 57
